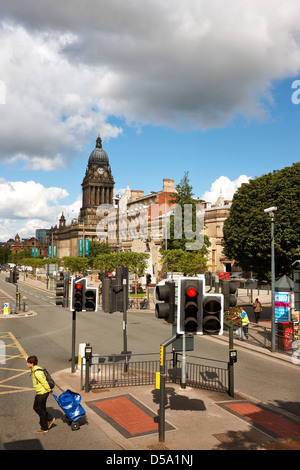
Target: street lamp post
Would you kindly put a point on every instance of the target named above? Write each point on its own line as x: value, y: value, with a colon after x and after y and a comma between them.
x: 271, y: 211
x: 117, y: 201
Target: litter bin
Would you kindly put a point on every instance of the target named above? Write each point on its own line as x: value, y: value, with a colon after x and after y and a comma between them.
x: 285, y: 332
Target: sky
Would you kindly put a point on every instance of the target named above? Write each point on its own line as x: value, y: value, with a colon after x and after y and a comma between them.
x: 201, y: 86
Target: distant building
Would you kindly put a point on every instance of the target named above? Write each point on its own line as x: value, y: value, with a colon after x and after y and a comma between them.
x: 36, y: 248
x: 41, y: 234
x: 132, y: 222
x: 97, y: 189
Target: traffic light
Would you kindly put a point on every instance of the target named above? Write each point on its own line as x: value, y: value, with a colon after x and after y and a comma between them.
x: 60, y: 290
x: 115, y: 291
x: 189, y: 310
x: 166, y: 294
x: 229, y: 289
x: 91, y: 299
x: 212, y: 320
x: 296, y: 278
x: 148, y: 281
x: 15, y: 276
x: 78, y: 288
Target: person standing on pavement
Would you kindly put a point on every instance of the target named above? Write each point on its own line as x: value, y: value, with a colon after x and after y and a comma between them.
x: 257, y: 310
x: 42, y: 390
x: 245, y: 322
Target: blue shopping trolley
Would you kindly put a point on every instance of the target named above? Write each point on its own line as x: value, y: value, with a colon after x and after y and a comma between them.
x: 70, y: 403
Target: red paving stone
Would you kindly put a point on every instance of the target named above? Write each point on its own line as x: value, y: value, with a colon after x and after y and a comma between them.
x: 127, y: 415
x: 278, y: 425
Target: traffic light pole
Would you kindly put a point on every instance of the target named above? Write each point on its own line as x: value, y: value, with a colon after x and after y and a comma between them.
x: 183, y: 365
x: 125, y: 322
x: 73, y: 339
x: 163, y: 387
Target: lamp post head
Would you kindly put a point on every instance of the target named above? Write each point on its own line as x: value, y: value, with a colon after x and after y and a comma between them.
x: 271, y: 211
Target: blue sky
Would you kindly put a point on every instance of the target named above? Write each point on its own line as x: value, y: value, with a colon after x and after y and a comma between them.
x: 204, y: 88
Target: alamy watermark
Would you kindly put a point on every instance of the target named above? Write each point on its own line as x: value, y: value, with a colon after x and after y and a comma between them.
x: 2, y: 352
x: 296, y: 352
x: 152, y: 222
x: 296, y: 95
x: 2, y: 92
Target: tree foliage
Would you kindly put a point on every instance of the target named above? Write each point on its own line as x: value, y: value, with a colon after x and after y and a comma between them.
x: 183, y: 198
x: 247, y: 231
x: 187, y: 262
x: 76, y: 264
x: 179, y: 256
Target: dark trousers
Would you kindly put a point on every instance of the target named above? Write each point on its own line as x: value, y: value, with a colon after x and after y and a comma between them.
x: 39, y: 407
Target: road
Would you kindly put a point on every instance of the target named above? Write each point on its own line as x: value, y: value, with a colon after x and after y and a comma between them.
x: 48, y: 335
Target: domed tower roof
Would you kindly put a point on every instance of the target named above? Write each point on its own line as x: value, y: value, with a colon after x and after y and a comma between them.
x: 98, y: 155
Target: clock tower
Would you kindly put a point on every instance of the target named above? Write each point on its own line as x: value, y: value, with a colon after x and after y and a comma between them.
x: 98, y: 183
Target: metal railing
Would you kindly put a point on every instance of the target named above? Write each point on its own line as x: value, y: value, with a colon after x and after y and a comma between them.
x: 207, y: 373
x: 140, y: 369
x: 261, y: 336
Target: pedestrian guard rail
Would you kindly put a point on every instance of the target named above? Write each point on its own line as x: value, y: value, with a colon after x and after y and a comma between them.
x: 261, y: 336
x: 121, y: 370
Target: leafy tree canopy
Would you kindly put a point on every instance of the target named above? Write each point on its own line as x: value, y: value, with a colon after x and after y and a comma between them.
x: 179, y: 226
x: 247, y: 230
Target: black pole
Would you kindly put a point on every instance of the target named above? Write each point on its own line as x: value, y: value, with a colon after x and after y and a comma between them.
x: 230, y: 364
x: 125, y: 323
x: 162, y: 387
x: 73, y: 339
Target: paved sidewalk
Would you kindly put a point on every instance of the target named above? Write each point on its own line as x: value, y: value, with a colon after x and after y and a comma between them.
x: 196, y: 419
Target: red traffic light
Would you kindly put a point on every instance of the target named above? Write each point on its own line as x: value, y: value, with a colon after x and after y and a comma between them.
x: 191, y: 292
x: 189, y: 312
x: 78, y: 286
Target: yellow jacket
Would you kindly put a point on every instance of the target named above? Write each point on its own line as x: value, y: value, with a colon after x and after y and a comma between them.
x: 39, y: 381
x: 245, y: 319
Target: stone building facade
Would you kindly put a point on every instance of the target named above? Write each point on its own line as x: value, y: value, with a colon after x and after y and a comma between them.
x: 133, y: 222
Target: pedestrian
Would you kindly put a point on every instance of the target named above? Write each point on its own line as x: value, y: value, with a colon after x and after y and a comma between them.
x: 257, y: 310
x: 42, y: 390
x: 245, y: 322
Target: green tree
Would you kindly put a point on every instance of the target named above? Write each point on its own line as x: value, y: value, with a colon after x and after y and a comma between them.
x: 179, y: 256
x: 4, y: 255
x: 97, y: 248
x: 106, y: 262
x: 136, y: 263
x: 187, y: 262
x: 76, y: 264
x: 186, y: 209
x: 247, y: 231
x: 183, y: 196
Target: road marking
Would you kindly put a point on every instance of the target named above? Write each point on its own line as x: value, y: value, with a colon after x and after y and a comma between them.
x: 18, y: 345
x: 6, y: 388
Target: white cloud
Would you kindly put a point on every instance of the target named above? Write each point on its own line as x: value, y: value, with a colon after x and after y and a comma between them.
x: 49, y: 110
x: 26, y: 206
x: 37, y: 163
x: 225, y: 187
x: 196, y: 64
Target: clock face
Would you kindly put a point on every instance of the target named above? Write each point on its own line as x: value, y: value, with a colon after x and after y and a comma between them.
x: 100, y: 171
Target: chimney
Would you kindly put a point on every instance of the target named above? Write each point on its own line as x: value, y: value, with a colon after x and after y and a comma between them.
x: 168, y: 186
